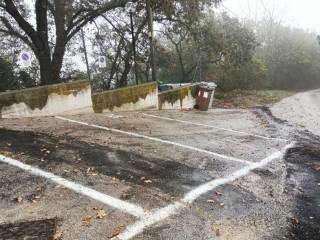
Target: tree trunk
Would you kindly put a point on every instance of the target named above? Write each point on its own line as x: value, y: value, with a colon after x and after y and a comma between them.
x: 46, y: 74
x: 123, y: 82
x: 57, y: 63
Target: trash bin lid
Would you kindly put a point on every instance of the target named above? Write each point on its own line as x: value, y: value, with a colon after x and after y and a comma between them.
x: 210, y: 85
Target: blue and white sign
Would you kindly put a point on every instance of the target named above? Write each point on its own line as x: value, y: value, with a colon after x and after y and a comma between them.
x: 102, y: 62
x: 25, y: 59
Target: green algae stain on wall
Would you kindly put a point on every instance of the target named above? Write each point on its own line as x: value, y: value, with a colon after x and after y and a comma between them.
x: 174, y: 95
x: 37, y: 98
x: 108, y: 100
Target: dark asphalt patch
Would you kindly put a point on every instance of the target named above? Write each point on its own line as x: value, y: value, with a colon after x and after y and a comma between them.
x: 32, y: 230
x: 13, y: 185
x: 302, y: 179
x: 48, y: 151
x: 303, y: 182
x: 229, y: 201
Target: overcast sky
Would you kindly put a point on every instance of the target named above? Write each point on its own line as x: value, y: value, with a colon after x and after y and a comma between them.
x: 305, y: 14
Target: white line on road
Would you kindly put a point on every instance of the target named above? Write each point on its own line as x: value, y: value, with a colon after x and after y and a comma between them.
x: 103, y: 198
x: 112, y: 116
x: 221, y: 156
x: 210, y: 126
x: 172, y: 209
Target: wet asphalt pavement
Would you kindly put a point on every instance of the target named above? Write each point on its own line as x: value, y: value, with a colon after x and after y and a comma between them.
x: 279, y: 201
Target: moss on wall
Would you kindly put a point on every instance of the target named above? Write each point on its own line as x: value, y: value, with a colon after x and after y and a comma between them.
x: 178, y: 94
x: 108, y: 100
x: 37, y: 97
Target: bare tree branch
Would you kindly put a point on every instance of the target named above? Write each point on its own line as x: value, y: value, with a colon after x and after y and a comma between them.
x: 23, y: 24
x: 14, y: 32
x: 76, y: 25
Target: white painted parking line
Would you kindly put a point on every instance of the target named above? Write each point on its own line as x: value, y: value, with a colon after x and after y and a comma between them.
x: 98, y: 196
x: 113, y: 116
x: 175, y: 208
x: 218, y: 155
x: 210, y: 126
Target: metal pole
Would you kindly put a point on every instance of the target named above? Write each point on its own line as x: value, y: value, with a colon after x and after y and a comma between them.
x: 151, y: 40
x: 99, y: 38
x: 134, y: 49
x: 85, y: 54
x: 200, y: 58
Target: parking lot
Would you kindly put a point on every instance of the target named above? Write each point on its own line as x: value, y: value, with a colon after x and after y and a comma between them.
x: 147, y: 175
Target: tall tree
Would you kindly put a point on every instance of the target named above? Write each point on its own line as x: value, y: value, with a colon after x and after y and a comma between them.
x: 65, y: 17
x: 58, y: 21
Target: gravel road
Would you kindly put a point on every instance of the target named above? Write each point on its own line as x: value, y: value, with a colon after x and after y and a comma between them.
x: 302, y: 109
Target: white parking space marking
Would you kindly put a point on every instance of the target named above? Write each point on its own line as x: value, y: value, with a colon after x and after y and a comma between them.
x: 172, y: 209
x: 113, y: 116
x: 149, y: 220
x: 210, y: 126
x: 98, y: 196
x: 221, y: 156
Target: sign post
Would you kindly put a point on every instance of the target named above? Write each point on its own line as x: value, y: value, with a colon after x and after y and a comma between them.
x: 102, y: 62
x: 25, y: 59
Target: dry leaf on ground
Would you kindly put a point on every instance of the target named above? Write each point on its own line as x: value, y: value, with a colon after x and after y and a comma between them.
x: 316, y: 167
x: 116, y: 232
x: 101, y: 214
x: 86, y: 219
x: 58, y: 235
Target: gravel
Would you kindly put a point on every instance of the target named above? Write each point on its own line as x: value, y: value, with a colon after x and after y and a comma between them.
x: 301, y: 109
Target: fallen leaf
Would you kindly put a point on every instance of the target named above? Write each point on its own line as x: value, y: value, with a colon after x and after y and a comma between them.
x: 101, y: 214
x: 37, y: 197
x: 86, y: 219
x: 148, y: 181
x: 295, y: 221
x: 316, y: 167
x: 116, y: 232
x: 142, y: 178
x: 19, y: 199
x: 9, y: 144
x: 58, y: 235
x: 125, y: 196
x: 210, y: 201
x: 221, y: 204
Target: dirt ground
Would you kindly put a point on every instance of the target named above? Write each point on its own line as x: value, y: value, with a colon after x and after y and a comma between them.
x: 155, y: 160
x: 244, y: 99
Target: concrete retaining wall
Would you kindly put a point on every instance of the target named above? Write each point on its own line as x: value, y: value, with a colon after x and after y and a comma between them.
x: 49, y: 100
x: 179, y: 98
x: 131, y: 98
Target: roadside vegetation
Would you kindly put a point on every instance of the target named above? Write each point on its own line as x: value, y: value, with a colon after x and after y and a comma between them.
x: 193, y: 42
x: 249, y: 98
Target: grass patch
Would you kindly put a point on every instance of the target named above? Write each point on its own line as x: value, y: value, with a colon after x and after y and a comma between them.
x: 249, y: 98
